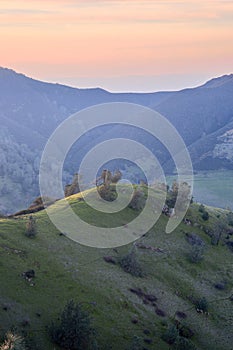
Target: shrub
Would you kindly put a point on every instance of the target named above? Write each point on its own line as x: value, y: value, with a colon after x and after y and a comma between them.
x: 220, y: 285
x: 204, y: 212
x: 230, y: 245
x: 75, y: 330
x: 184, y: 193
x: 183, y: 344
x: 230, y: 218
x: 31, y: 227
x: 201, y: 208
x: 116, y: 177
x: 73, y: 188
x: 160, y: 312
x: 194, y: 239
x: 202, y: 304
x: 108, y: 193
x: 136, y: 344
x: 196, y: 253
x: 40, y: 202
x: 181, y: 314
x: 138, y: 200
x: 109, y: 259
x: 130, y: 264
x: 31, y: 342
x: 217, y: 231
x: 185, y: 331
x: 170, y: 334
x: 214, y: 240
x: 205, y: 215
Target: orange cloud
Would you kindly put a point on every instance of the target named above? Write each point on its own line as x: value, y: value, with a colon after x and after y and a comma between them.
x: 115, y: 37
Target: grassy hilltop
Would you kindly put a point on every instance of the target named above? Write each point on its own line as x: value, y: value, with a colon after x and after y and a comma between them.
x: 186, y: 281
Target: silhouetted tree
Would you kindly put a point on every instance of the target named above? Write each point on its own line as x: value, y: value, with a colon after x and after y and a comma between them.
x: 31, y: 227
x: 218, y: 230
x: 74, y: 331
x: 73, y: 188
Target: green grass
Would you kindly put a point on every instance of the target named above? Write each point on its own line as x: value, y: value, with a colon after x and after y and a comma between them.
x: 67, y: 270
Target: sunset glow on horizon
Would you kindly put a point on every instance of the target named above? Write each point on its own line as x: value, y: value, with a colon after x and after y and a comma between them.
x: 127, y: 45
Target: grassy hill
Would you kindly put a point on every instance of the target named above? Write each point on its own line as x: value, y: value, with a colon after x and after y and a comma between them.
x: 122, y: 306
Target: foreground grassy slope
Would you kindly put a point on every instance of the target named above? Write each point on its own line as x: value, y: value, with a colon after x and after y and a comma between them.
x: 66, y: 270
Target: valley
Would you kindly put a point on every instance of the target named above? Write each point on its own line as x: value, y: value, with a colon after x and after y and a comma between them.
x: 30, y: 111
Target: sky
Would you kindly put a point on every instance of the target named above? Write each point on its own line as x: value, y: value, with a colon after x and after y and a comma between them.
x: 119, y: 45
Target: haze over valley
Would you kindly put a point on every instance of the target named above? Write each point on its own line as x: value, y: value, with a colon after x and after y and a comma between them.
x: 31, y: 110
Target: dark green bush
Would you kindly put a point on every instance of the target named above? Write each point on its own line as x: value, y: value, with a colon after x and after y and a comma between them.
x: 219, y: 230
x: 184, y: 193
x: 201, y: 208
x: 108, y: 193
x: 205, y: 216
x: 138, y: 200
x: 214, y: 240
x: 194, y: 239
x: 230, y: 245
x: 185, y: 331
x: 74, y: 332
x: 130, y: 263
x: 196, y: 253
x: 31, y: 230
x: 204, y: 212
x: 221, y: 285
x: 182, y: 343
x: 171, y: 334
x: 202, y: 304
x: 136, y: 344
x: 230, y: 218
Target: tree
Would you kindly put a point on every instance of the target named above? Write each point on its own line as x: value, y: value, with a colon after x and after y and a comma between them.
x: 116, y: 176
x: 75, y: 331
x: 31, y: 227
x: 182, y: 343
x: 171, y: 334
x: 196, y: 253
x: 172, y: 195
x: 138, y: 200
x: 130, y: 263
x: 107, y: 178
x: 73, y: 188
x: 204, y: 212
x: 136, y: 344
x: 230, y: 218
x: 106, y: 184
x: 184, y: 193
x: 217, y: 231
x: 202, y: 304
x: 205, y: 215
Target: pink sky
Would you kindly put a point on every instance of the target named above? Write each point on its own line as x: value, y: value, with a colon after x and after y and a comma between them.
x: 120, y: 45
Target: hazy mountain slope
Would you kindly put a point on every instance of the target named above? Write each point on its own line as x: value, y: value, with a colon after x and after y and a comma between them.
x: 201, y: 111
x: 40, y: 107
x: 213, y: 151
x: 30, y: 110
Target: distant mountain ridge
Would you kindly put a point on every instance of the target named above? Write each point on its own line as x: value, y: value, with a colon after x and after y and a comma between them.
x: 30, y: 110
